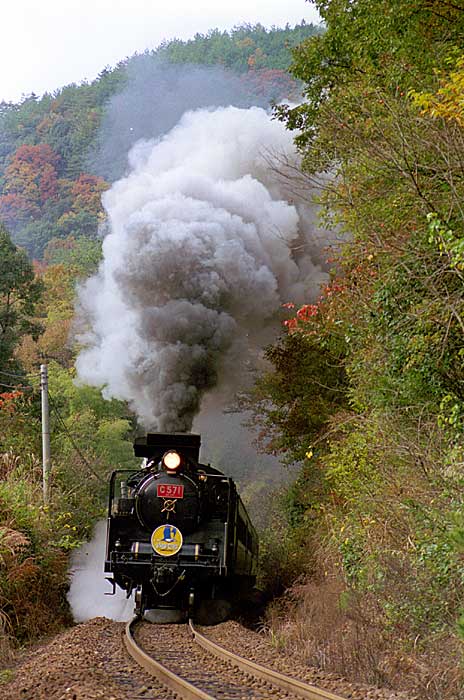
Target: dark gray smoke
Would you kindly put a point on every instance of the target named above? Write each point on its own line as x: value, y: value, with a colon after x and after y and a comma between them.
x: 198, y: 261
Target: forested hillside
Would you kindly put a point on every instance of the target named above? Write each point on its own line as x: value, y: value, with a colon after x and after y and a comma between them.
x: 367, y: 389
x: 49, y: 145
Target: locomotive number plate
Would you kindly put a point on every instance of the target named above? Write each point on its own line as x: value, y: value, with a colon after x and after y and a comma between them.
x: 170, y: 490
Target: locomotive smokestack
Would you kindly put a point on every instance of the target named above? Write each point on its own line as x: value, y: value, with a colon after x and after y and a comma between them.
x: 198, y: 260
x: 154, y: 445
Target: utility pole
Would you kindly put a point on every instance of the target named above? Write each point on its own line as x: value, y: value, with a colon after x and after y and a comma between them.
x: 45, y: 434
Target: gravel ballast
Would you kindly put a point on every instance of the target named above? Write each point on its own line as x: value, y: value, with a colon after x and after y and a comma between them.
x: 89, y: 662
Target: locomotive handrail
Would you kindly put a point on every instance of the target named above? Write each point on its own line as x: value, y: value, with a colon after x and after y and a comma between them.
x: 174, y: 682
x: 304, y: 690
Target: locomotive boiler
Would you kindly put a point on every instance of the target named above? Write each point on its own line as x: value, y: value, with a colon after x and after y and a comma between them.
x: 178, y: 533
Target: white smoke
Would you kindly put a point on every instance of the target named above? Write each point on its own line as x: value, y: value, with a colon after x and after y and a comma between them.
x: 198, y: 259
x: 88, y: 586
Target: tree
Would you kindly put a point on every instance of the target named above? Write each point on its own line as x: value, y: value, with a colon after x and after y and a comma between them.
x: 80, y: 254
x: 19, y: 293
x: 381, y: 133
x: 32, y: 171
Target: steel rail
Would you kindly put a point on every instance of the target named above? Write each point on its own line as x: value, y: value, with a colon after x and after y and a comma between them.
x: 169, y: 679
x: 304, y: 690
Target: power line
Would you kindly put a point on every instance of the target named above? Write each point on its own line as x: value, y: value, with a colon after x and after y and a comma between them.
x: 17, y: 376
x: 18, y: 387
x: 71, y: 439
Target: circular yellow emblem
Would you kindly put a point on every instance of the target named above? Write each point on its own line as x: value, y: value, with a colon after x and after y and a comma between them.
x: 166, y: 540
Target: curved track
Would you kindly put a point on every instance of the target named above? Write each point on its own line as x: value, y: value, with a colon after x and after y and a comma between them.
x: 167, y: 677
x: 210, y: 679
x: 285, y: 683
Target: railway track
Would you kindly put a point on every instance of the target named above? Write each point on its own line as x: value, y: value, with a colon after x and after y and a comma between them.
x: 194, y: 667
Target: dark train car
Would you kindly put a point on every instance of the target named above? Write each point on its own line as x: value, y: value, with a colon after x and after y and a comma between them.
x: 178, y: 532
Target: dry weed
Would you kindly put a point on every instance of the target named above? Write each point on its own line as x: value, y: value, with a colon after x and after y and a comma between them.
x: 12, y: 545
x: 332, y: 630
x: 327, y: 626
x: 8, y: 463
x: 6, y: 640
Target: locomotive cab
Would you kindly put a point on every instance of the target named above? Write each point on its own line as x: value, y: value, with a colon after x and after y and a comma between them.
x: 178, y: 532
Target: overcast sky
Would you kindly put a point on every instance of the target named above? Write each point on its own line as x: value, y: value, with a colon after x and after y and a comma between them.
x: 46, y: 44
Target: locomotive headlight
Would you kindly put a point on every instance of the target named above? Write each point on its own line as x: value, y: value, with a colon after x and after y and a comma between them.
x: 171, y: 460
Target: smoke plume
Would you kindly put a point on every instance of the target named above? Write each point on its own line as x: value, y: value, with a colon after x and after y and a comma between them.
x: 197, y: 261
x: 155, y: 96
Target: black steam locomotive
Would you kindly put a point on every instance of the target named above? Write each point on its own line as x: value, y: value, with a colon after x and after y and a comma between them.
x: 178, y: 532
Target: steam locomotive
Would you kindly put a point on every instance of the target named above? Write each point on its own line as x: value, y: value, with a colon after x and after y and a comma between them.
x: 178, y: 533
